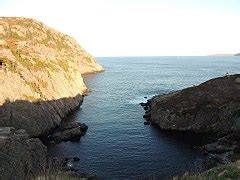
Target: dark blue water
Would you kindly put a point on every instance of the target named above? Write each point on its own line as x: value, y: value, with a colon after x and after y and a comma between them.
x: 117, y: 144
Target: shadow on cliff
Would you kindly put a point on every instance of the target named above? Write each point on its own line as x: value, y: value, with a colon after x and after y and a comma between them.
x: 190, y: 138
x: 40, y: 117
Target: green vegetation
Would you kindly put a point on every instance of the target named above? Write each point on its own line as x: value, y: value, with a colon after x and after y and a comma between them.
x: 48, y: 38
x: 22, y: 56
x: 60, y: 43
x: 228, y: 171
x: 9, y: 65
x: 32, y: 98
x: 88, y: 59
x: 64, y: 65
x: 25, y: 23
x: 32, y: 46
x: 33, y: 86
x: 42, y: 83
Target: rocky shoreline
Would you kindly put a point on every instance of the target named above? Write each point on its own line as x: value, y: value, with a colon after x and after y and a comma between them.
x: 41, y: 84
x: 210, y: 109
x: 17, y: 146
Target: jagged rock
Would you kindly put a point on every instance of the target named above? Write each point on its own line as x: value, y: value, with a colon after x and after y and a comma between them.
x: 147, y: 115
x: 21, y: 157
x: 40, y: 75
x: 146, y: 108
x: 76, y: 159
x: 146, y: 123
x: 69, y: 131
x: 67, y: 134
x: 144, y: 104
x: 83, y: 127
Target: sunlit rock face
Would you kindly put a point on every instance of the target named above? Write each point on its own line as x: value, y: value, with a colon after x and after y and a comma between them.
x: 40, y: 75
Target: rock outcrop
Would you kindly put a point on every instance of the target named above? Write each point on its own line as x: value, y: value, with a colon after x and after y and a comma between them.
x: 72, y: 131
x: 21, y: 157
x: 238, y: 54
x: 40, y: 75
x: 212, y: 107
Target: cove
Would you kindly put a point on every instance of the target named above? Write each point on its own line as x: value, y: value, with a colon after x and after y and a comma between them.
x: 117, y: 144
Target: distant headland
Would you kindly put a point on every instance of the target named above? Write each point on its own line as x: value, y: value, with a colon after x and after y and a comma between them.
x: 238, y: 54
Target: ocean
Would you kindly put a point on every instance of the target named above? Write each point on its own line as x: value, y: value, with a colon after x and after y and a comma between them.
x: 117, y: 144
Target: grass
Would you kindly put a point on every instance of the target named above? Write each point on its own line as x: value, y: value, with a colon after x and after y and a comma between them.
x: 228, y: 171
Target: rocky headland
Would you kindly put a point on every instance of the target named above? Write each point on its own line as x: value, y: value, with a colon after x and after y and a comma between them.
x: 211, y: 109
x: 41, y: 83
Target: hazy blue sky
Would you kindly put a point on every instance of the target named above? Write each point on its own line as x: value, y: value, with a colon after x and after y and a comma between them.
x: 139, y: 27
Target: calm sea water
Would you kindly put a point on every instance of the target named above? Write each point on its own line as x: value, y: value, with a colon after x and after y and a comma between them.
x: 117, y: 144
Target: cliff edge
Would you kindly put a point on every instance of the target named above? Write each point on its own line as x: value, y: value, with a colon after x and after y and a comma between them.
x: 40, y: 75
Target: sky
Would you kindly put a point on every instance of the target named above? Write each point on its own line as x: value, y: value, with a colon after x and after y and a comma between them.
x: 139, y: 27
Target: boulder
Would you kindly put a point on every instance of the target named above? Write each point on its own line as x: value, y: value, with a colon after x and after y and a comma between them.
x: 67, y: 134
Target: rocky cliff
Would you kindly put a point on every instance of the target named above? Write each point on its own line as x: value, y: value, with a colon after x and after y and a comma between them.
x: 21, y: 157
x: 212, y: 107
x: 40, y: 75
x: 211, y: 110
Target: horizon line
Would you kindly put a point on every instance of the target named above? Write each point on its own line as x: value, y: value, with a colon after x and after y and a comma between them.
x: 216, y: 55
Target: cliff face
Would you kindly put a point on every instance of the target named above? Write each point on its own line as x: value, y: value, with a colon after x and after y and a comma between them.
x: 40, y: 75
x: 211, y: 107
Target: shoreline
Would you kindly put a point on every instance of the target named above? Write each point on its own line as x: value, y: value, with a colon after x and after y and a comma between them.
x: 223, y: 147
x: 65, y: 131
